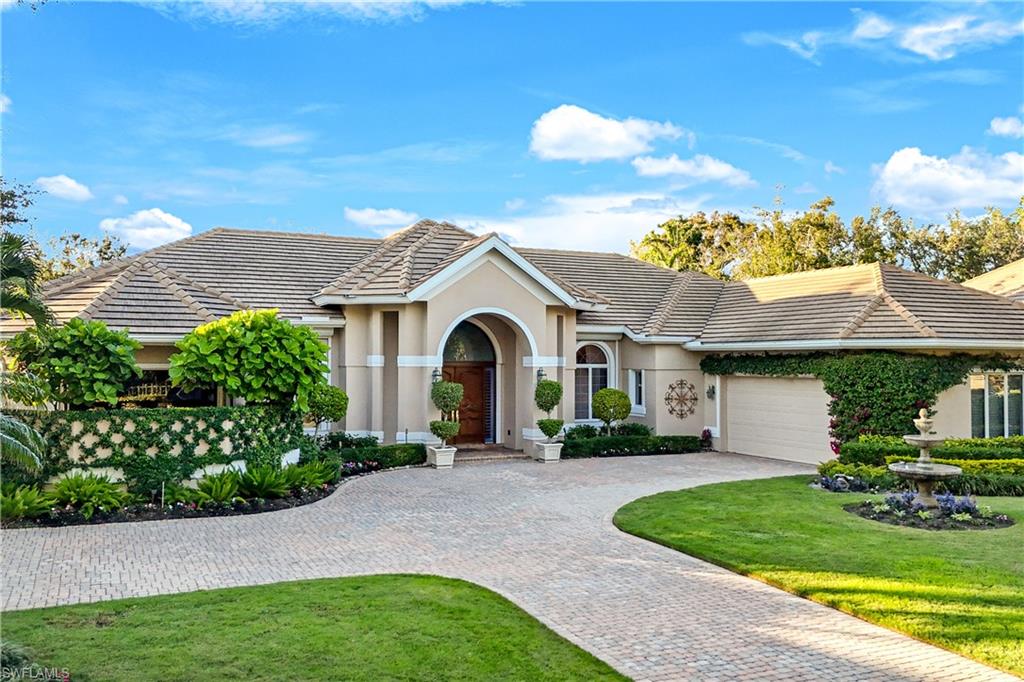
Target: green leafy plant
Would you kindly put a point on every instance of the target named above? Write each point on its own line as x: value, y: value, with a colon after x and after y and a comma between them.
x: 547, y: 396
x: 23, y: 502
x: 254, y: 355
x: 326, y: 404
x: 89, y: 494
x: 264, y: 482
x: 446, y: 396
x: 610, y: 405
x: 82, y: 362
x: 219, y: 489
x: 20, y: 444
x: 615, y: 446
x: 445, y: 430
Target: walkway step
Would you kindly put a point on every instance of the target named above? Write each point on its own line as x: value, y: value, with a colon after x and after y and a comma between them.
x: 488, y: 455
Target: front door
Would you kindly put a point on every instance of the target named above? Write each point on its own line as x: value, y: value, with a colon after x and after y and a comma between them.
x: 476, y: 410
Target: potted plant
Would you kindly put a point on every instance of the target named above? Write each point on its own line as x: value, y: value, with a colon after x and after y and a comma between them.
x: 547, y: 396
x: 447, y: 396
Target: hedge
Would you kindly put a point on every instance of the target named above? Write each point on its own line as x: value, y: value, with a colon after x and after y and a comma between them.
x: 387, y: 456
x: 1011, y: 467
x: 874, y: 450
x: 164, y: 445
x: 982, y: 483
x: 610, y: 446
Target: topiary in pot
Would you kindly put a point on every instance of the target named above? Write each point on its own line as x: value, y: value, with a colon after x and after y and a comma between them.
x: 611, y: 405
x: 445, y: 430
x: 547, y: 396
x: 447, y: 396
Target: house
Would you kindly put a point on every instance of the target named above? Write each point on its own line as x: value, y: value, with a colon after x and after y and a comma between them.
x: 434, y: 300
x: 1006, y: 281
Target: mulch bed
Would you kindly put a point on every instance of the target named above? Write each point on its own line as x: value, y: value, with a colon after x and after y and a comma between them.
x: 937, y: 520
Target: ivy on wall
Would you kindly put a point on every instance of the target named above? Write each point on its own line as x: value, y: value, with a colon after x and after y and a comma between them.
x: 154, y: 446
x: 876, y: 392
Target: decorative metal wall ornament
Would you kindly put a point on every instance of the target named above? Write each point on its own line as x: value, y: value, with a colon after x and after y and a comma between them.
x: 681, y: 399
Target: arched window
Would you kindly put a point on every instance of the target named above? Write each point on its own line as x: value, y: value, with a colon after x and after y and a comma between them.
x: 591, y: 377
x: 468, y: 343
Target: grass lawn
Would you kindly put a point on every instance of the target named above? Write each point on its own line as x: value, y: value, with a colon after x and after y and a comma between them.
x: 962, y: 590
x: 392, y: 627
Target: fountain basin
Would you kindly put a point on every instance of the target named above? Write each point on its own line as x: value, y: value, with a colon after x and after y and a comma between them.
x: 925, y: 441
x: 925, y: 475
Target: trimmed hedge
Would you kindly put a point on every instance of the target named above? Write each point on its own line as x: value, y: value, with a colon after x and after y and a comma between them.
x: 158, y: 445
x: 621, y: 429
x: 874, y: 450
x: 612, y: 446
x: 1011, y: 467
x: 980, y: 483
x: 387, y: 456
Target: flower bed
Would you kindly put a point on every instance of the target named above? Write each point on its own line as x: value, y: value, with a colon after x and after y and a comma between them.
x: 838, y: 477
x: 904, y: 509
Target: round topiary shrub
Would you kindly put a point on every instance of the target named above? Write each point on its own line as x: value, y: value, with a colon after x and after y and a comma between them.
x: 611, y: 405
x: 550, y: 427
x: 447, y: 396
x: 327, y: 404
x: 547, y: 396
x: 255, y: 355
x: 445, y: 430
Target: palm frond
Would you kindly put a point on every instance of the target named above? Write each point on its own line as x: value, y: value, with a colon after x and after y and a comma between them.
x: 20, y: 444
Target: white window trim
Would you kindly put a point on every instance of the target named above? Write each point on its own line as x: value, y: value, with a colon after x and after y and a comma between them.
x: 1006, y: 400
x: 609, y: 366
x: 637, y: 409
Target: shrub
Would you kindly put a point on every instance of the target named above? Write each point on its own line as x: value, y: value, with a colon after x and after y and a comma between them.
x: 82, y: 363
x: 611, y: 405
x: 608, y: 446
x: 308, y: 476
x: 445, y: 430
x: 1012, y: 467
x: 254, y: 355
x: 985, y: 484
x: 547, y: 396
x: 868, y: 476
x: 446, y: 396
x: 327, y: 404
x: 263, y: 482
x: 581, y: 431
x: 219, y: 489
x: 631, y: 429
x: 339, y: 441
x: 23, y: 502
x: 550, y: 427
x: 387, y: 456
x: 875, y: 449
x: 88, y: 494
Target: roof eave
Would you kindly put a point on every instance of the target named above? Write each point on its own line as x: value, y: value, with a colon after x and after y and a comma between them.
x: 623, y: 330
x: 862, y: 344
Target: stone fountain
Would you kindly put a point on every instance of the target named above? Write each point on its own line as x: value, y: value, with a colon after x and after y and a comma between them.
x: 924, y: 473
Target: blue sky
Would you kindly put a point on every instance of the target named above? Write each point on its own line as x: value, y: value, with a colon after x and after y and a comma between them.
x: 564, y: 125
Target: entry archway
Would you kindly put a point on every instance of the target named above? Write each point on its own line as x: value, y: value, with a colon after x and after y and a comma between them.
x: 470, y: 356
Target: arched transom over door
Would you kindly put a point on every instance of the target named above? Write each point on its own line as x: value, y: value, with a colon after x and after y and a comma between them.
x: 591, y: 377
x: 469, y: 359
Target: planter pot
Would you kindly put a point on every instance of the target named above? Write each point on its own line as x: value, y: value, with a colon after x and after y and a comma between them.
x: 440, y: 457
x: 547, y: 452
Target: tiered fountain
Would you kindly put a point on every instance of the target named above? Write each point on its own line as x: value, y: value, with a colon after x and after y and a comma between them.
x: 924, y: 473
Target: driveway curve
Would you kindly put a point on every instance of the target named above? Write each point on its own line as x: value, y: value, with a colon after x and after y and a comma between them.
x: 539, y: 535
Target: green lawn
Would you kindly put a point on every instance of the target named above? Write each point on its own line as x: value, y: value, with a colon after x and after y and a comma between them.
x: 962, y: 590
x: 367, y: 628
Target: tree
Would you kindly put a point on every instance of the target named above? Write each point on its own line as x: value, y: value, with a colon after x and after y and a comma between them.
x: 810, y: 240
x: 20, y: 276
x: 709, y: 244
x: 72, y: 251
x: 327, y: 404
x: 20, y: 444
x: 15, y: 199
x: 611, y: 405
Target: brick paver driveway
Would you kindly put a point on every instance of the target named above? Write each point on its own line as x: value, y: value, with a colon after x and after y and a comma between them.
x: 540, y: 535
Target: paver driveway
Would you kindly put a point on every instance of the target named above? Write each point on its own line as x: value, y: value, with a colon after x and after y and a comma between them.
x: 540, y: 535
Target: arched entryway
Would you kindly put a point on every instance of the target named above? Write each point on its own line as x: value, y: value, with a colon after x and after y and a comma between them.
x: 470, y: 359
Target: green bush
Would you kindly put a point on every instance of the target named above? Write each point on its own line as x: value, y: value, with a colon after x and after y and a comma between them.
x: 445, y: 430
x: 1012, y: 467
x: 254, y: 355
x: 340, y: 440
x: 263, y: 482
x: 446, y: 396
x: 547, y: 395
x: 550, y: 427
x: 88, y: 494
x: 875, y: 449
x: 83, y: 363
x: 23, y: 502
x: 581, y: 432
x: 327, y: 404
x: 218, y: 489
x: 388, y: 456
x: 609, y: 446
x: 983, y: 483
x: 610, y: 405
x: 631, y: 429
x: 873, y: 476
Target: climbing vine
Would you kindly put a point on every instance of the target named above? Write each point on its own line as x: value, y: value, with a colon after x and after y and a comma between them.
x: 877, y: 392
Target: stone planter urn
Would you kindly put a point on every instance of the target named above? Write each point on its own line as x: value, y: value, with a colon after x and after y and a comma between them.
x: 547, y: 452
x: 440, y: 456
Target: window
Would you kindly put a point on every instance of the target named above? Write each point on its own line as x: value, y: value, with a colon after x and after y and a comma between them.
x: 997, y: 404
x: 591, y: 377
x: 636, y: 390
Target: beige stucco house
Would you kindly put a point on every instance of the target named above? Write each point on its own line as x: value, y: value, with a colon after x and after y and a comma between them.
x: 434, y: 300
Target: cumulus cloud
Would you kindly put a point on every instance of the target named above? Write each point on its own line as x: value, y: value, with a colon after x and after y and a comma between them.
x: 870, y: 26
x: 831, y: 168
x: 572, y: 133
x: 701, y: 168
x: 270, y: 13
x: 515, y: 204
x: 63, y: 187
x: 1010, y: 126
x: 943, y: 39
x: 148, y: 228
x: 933, y: 185
x: 5, y: 103
x: 379, y: 217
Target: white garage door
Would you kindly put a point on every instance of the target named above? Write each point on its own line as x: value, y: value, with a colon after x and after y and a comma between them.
x: 778, y: 418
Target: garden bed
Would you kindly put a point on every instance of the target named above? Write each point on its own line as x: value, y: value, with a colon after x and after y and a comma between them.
x: 904, y: 509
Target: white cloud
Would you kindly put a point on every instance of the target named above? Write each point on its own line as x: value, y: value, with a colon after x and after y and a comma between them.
x: 270, y: 13
x: 942, y: 39
x: 120, y: 200
x: 932, y: 185
x: 379, y: 217
x: 263, y: 137
x: 601, y: 222
x: 515, y: 204
x: 569, y: 132
x: 805, y: 188
x: 701, y: 168
x: 63, y: 187
x: 783, y: 150
x: 1010, y: 126
x: 872, y: 27
x: 148, y: 228
x: 805, y: 45
x: 5, y: 103
x: 831, y: 168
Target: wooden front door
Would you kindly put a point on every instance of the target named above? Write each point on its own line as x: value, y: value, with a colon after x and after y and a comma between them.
x: 476, y: 410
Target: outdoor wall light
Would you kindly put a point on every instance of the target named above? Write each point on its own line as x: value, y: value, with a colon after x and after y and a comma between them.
x: 435, y: 376
x: 540, y: 374
x: 710, y: 393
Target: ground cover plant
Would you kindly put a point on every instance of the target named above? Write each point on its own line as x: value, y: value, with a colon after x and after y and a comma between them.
x: 960, y: 590
x: 953, y: 513
x: 366, y: 628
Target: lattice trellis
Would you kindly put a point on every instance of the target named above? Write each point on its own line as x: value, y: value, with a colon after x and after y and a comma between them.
x: 681, y: 398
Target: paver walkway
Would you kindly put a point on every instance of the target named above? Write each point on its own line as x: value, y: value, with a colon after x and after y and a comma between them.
x: 539, y: 534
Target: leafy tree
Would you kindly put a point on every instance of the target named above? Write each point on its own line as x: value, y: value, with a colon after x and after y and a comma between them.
x: 547, y: 395
x: 709, y: 244
x: 252, y: 354
x: 72, y: 251
x: 327, y: 404
x: 83, y: 363
x: 15, y: 199
x: 611, y: 405
x: 811, y: 240
x: 19, y: 288
x: 446, y: 396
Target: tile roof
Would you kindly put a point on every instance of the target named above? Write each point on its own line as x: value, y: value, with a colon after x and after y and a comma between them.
x: 1007, y: 280
x: 173, y: 288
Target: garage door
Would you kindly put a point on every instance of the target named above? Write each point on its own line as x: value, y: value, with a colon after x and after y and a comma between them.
x: 778, y: 418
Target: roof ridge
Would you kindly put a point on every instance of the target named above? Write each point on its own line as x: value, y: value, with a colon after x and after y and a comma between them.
x: 660, y: 314
x: 201, y: 286
x: 957, y: 285
x: 899, y: 308
x: 109, y: 291
x: 861, y: 317
x: 408, y: 255
x: 166, y: 279
x: 64, y: 282
x: 285, y: 233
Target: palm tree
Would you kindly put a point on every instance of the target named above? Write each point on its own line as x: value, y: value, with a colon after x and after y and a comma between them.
x: 19, y: 271
x: 20, y: 444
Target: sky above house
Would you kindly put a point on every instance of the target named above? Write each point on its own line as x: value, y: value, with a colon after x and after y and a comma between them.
x: 571, y: 125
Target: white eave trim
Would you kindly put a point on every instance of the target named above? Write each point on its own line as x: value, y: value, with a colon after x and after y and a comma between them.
x: 843, y: 344
x: 623, y: 330
x: 348, y: 299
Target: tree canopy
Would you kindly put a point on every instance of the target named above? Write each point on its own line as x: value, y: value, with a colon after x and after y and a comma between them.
x: 777, y: 241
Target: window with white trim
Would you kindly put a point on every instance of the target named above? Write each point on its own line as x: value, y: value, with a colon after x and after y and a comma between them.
x: 636, y: 391
x: 591, y: 377
x: 997, y: 404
